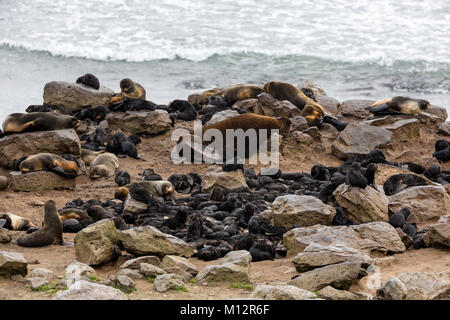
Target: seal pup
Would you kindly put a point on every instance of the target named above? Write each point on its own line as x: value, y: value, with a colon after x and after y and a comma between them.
x: 95, y: 113
x: 156, y: 188
x: 38, y: 121
x: 49, y: 234
x: 399, y: 105
x: 48, y: 108
x: 122, y: 178
x: 73, y: 213
x: 15, y: 222
x: 129, y: 90
x: 397, y: 220
x: 88, y: 155
x: 370, y: 174
x: 104, y: 165
x: 183, y: 110
x: 49, y: 162
x: 401, y: 181
x: 355, y: 178
x: 442, y: 152
x: 89, y: 80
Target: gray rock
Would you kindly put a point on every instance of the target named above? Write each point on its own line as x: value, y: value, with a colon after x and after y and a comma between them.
x: 136, y: 263
x: 75, y: 96
x: 131, y: 273
x: 125, y: 283
x: 39, y: 180
x: 402, y: 129
x: 222, y: 115
x: 140, y: 122
x: 356, y: 109
x: 12, y: 263
x: 362, y: 205
x: 20, y: 145
x: 227, y: 272
x: 170, y: 261
x: 149, y: 270
x: 147, y: 240
x: 444, y: 128
x: 281, y: 292
x: 42, y: 273
x: 186, y: 276
x: 37, y: 282
x: 299, y: 123
x: 5, y: 235
x: 281, y: 109
x: 330, y: 105
x: 339, y: 276
x: 84, y: 290
x: 78, y: 271
x: 439, y: 112
x: 407, y: 240
x: 359, y: 139
x: 133, y: 206
x: 214, y: 176
x: 249, y: 105
x: 240, y: 258
x: 331, y: 293
x: 166, y: 282
x: 438, y: 234
x: 303, y: 210
x: 97, y: 243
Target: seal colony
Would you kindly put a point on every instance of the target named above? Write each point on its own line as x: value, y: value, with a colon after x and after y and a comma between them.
x: 218, y: 219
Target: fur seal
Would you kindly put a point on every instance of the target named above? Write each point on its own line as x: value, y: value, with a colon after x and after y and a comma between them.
x: 183, y: 110
x: 104, y: 165
x: 73, y: 213
x: 397, y: 220
x: 157, y: 188
x: 338, y: 124
x: 134, y: 105
x: 354, y: 176
x: 399, y: 105
x: 239, y: 92
x: 95, y: 113
x: 442, y: 150
x: 286, y: 91
x: 15, y: 222
x: 129, y: 90
x: 48, y: 108
x: 122, y: 178
x: 89, y: 80
x: 370, y: 174
x: 49, y: 234
x: 49, y: 162
x: 88, y: 155
x: 38, y: 121
x: 399, y: 182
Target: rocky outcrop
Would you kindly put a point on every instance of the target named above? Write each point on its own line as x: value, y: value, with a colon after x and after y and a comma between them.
x: 20, y: 145
x: 140, y: 122
x: 438, y: 234
x: 229, y: 180
x: 85, y: 290
x: 303, y: 210
x: 12, y: 263
x: 281, y: 292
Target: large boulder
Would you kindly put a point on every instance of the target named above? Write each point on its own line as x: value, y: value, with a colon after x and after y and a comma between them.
x: 241, y: 258
x: 438, y: 234
x: 281, y: 292
x: 133, y: 206
x: 339, y: 276
x: 358, y: 139
x: 20, y: 145
x: 39, y: 180
x: 329, y: 104
x: 140, y: 122
x: 85, y: 290
x: 402, y: 129
x: 215, y: 177
x: 147, y: 240
x: 97, y: 243
x: 303, y: 210
x: 372, y: 237
x: 75, y: 96
x: 12, y: 263
x: 356, y: 109
x: 427, y: 203
x: 362, y: 205
x: 136, y: 263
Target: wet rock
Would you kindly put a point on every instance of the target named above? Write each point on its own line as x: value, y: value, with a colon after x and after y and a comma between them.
x: 303, y: 210
x: 147, y: 240
x: 359, y: 139
x: 222, y: 115
x: 39, y: 180
x: 214, y: 176
x: 12, y: 263
x: 97, y: 243
x: 362, y: 205
x: 426, y: 203
x: 140, y: 122
x: 20, y: 145
x: 281, y: 292
x: 84, y: 290
x: 149, y: 270
x: 136, y: 263
x: 42, y: 273
x: 438, y: 234
x: 78, y: 271
x: 331, y: 293
x: 5, y: 235
x: 330, y: 105
x: 166, y: 282
x: 444, y: 128
x: 356, y: 109
x: 75, y: 96
x: 170, y: 261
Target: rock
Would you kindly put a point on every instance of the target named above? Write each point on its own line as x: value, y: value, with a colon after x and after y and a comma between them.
x: 222, y: 115
x: 438, y: 234
x: 303, y: 210
x: 427, y: 203
x: 372, y: 237
x: 37, y: 282
x: 302, y: 138
x: 281, y: 292
x: 227, y: 272
x: 385, y: 261
x: 314, y: 133
x: 78, y: 271
x: 439, y: 112
x: 75, y: 96
x: 331, y: 293
x: 299, y: 123
x: 147, y: 240
x: 328, y: 131
x: 136, y: 263
x: 97, y: 243
x: 133, y: 206
x: 407, y: 241
x: 20, y: 145
x: 362, y: 205
x: 84, y: 290
x: 4, y: 182
x: 166, y: 282
x: 444, y: 128
x: 316, y: 256
x: 339, y: 276
x: 417, y: 286
x: 330, y: 105
x: 12, y: 263
x: 214, y: 176
x: 403, y: 129
x: 240, y: 258
x: 131, y: 273
x: 140, y: 122
x: 42, y: 273
x: 281, y: 109
x: 39, y: 180
x: 316, y: 89
x: 186, y: 276
x: 356, y: 109
x: 249, y: 105
x: 125, y: 283
x: 170, y: 261
x: 149, y: 270
x: 5, y: 235
x: 359, y: 139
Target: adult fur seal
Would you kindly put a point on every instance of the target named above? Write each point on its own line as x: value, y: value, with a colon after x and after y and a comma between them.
x: 49, y: 234
x: 129, y: 90
x: 48, y: 108
x: 89, y: 80
x: 88, y: 155
x: 15, y: 222
x: 157, y: 188
x: 402, y: 105
x: 239, y: 92
x: 38, y: 121
x: 399, y: 182
x: 104, y: 165
x: 49, y: 162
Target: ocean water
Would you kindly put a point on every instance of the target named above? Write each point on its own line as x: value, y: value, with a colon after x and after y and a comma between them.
x: 366, y: 49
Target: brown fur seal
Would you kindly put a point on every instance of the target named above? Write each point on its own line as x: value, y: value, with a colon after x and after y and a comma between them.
x: 239, y: 92
x: 104, y: 165
x: 88, y: 155
x: 49, y: 234
x: 38, y: 121
x: 72, y: 213
x: 129, y: 90
x: 14, y: 222
x: 157, y: 188
x: 313, y: 114
x: 402, y: 105
x: 49, y: 162
x: 286, y: 91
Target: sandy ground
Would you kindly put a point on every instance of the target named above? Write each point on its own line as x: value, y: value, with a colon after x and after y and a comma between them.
x: 156, y: 150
